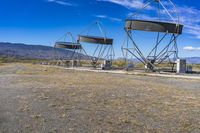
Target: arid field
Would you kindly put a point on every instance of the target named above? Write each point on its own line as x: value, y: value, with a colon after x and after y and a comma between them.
x: 42, y: 99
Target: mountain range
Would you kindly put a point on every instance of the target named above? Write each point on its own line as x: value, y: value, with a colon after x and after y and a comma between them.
x: 24, y: 51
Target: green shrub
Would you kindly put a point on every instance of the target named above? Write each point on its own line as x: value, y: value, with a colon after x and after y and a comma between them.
x: 119, y: 63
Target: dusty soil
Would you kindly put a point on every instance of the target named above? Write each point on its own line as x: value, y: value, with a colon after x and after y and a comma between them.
x: 41, y: 99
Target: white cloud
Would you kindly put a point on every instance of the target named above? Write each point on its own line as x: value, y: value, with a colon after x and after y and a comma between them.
x: 143, y: 17
x: 136, y: 4
x: 61, y: 2
x: 188, y: 16
x: 190, y: 48
x: 107, y: 17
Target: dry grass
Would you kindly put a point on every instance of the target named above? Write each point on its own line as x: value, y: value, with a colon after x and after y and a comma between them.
x: 196, y: 67
x: 58, y: 100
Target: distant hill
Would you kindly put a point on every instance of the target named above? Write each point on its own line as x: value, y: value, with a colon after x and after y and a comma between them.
x: 23, y: 51
x: 190, y: 60
x: 193, y: 60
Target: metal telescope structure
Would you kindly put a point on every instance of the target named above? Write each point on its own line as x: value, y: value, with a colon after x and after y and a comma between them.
x: 99, y: 47
x: 165, y: 49
x: 77, y: 51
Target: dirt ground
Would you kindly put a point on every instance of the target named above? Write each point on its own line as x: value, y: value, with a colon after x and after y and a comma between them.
x: 42, y: 99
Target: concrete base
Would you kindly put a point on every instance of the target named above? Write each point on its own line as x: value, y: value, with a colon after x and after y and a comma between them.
x: 107, y: 65
x: 181, y: 66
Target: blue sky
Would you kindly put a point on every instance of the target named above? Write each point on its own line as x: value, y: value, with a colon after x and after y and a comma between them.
x: 44, y: 21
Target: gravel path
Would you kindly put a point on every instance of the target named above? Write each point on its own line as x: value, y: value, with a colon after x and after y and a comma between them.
x: 41, y: 99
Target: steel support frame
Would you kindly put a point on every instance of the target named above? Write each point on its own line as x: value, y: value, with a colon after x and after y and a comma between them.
x: 159, y: 57
x: 102, y: 51
x: 79, y: 52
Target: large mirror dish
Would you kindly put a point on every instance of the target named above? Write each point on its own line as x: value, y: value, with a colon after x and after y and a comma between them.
x: 154, y: 26
x: 67, y: 45
x: 95, y: 40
